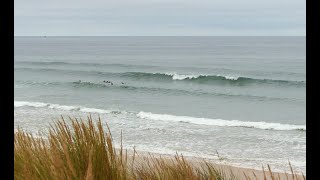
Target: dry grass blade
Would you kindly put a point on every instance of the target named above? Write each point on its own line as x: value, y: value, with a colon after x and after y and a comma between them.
x: 264, y: 174
x: 89, y: 175
x: 271, y: 173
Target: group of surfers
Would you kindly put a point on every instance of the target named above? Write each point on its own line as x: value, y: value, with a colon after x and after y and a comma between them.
x: 109, y: 82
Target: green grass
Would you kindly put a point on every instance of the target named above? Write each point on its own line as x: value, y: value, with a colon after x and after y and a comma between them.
x: 84, y: 150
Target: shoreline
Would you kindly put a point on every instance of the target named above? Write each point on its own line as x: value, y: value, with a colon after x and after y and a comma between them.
x: 238, y: 171
x: 195, y: 161
x: 72, y: 148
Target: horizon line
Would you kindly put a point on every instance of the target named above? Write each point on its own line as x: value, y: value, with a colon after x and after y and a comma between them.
x: 159, y: 36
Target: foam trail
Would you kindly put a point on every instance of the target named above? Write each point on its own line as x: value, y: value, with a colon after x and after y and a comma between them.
x: 60, y: 107
x: 228, y: 77
x: 31, y: 104
x: 220, y: 122
x: 94, y: 110
x: 176, y: 76
x: 63, y: 107
x: 166, y: 117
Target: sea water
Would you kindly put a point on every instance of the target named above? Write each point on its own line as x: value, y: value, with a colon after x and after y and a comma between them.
x: 243, y: 97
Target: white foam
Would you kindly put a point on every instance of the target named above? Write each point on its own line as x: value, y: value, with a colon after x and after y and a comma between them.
x: 31, y: 104
x: 60, y: 107
x: 229, y: 77
x: 167, y: 117
x: 176, y: 76
x: 63, y: 107
x: 93, y: 110
x: 220, y: 122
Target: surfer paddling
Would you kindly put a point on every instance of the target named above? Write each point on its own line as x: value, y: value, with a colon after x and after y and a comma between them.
x: 109, y: 82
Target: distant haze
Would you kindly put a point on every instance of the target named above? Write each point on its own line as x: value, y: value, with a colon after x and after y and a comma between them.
x: 160, y: 18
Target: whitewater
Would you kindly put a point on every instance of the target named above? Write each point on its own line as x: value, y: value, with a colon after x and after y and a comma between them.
x: 167, y: 117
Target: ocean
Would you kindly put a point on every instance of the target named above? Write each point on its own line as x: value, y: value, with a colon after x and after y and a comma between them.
x: 243, y: 97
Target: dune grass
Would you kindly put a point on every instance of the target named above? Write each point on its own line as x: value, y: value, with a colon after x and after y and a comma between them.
x: 84, y: 150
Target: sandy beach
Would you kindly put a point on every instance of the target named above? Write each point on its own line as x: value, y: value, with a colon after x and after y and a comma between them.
x: 238, y: 172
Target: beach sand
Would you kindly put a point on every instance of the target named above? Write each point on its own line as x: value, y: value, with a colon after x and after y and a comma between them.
x: 239, y: 172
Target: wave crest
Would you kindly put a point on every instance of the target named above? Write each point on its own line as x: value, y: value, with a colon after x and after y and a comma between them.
x: 197, y: 78
x: 234, y: 80
x: 167, y: 117
x: 31, y: 104
x: 220, y: 122
x: 176, y: 76
x: 62, y: 107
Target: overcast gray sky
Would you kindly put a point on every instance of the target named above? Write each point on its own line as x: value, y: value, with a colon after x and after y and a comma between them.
x: 160, y: 17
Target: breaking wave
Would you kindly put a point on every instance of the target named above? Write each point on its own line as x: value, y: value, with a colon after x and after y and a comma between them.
x: 196, y: 78
x: 167, y: 117
x: 220, y: 122
x: 63, y: 107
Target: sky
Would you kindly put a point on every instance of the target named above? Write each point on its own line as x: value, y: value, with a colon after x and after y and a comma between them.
x: 160, y: 18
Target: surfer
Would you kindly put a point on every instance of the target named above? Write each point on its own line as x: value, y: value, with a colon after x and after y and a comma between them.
x: 108, y: 82
x: 122, y: 83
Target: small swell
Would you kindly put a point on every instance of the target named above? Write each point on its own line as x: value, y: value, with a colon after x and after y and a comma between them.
x: 196, y: 78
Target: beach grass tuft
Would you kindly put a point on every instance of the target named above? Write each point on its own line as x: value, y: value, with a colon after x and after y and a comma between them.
x: 84, y: 150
